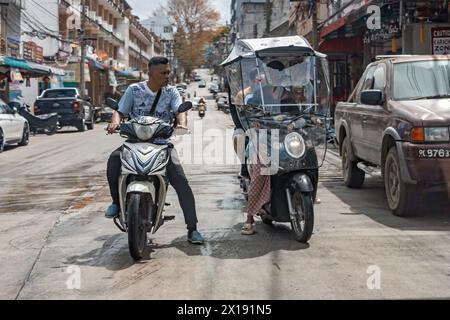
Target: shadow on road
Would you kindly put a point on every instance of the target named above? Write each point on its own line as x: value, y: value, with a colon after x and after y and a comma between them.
x: 232, y: 245
x: 370, y: 200
x: 113, y: 255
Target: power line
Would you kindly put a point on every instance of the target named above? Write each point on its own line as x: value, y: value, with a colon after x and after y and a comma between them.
x: 50, y: 13
x: 38, y: 24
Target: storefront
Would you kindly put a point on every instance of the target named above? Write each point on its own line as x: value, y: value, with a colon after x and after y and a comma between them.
x: 98, y: 85
x: 11, y: 77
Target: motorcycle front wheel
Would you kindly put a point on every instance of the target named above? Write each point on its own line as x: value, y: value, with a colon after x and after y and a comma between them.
x: 137, y: 224
x: 303, y: 221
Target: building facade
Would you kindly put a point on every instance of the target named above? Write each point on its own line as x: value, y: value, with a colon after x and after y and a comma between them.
x: 249, y: 18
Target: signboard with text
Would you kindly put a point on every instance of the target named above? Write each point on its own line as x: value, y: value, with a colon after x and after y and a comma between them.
x: 33, y: 52
x: 440, y: 40
x: 13, y: 46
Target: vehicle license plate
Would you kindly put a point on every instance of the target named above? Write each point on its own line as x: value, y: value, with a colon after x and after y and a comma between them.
x: 434, y: 153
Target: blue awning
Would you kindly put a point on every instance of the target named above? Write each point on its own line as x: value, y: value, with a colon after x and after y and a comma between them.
x: 95, y: 64
x: 14, y: 63
x: 39, y: 68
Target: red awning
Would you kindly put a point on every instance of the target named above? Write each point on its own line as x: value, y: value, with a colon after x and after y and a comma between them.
x: 332, y: 27
x: 342, y: 45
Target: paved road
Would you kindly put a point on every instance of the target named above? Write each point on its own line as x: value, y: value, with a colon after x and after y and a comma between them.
x: 54, y: 191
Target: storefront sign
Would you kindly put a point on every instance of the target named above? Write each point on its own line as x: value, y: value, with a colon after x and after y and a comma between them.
x: 384, y: 34
x: 440, y: 38
x: 38, y: 54
x: 32, y: 52
x: 13, y: 47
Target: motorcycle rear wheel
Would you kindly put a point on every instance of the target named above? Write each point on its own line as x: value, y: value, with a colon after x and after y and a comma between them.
x: 137, y: 211
x: 303, y: 222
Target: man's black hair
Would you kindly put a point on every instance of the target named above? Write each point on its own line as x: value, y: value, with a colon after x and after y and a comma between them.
x: 275, y: 64
x: 157, y: 61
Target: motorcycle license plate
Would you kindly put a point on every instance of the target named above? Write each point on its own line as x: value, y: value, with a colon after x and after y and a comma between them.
x: 434, y: 153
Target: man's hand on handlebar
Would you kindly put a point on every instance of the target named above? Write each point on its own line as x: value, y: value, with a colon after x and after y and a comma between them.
x: 115, y: 123
x: 112, y: 127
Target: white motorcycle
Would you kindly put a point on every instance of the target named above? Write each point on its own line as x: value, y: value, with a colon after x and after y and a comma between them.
x: 143, y: 181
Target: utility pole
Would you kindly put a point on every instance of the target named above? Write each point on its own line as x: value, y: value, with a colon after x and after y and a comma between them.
x: 83, y: 49
x: 315, y: 34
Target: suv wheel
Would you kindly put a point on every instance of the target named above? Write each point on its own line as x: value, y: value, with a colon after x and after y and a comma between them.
x: 2, y: 141
x: 353, y: 176
x: 403, y: 199
x: 82, y: 126
x: 90, y: 124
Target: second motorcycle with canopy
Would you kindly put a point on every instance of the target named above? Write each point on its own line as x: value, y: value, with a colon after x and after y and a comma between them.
x: 280, y: 90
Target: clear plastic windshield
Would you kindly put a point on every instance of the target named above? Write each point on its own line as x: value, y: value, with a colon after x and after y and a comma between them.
x: 291, y: 94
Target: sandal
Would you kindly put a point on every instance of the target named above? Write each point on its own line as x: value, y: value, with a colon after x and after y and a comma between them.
x: 247, y: 229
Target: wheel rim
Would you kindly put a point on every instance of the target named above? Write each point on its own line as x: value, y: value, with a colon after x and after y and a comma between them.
x: 299, y: 222
x: 1, y: 142
x: 26, y: 135
x: 393, y: 181
x: 345, y: 162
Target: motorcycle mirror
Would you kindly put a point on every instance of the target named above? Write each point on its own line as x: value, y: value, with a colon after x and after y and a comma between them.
x: 185, y: 106
x: 110, y: 102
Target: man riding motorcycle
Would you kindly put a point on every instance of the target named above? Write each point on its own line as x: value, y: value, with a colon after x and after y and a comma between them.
x: 139, y: 99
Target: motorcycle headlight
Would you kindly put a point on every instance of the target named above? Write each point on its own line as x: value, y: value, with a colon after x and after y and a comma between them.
x: 294, y: 145
x: 144, y: 132
x: 437, y: 134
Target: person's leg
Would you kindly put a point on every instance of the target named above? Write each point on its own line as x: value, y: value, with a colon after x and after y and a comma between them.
x: 113, y: 174
x: 177, y: 179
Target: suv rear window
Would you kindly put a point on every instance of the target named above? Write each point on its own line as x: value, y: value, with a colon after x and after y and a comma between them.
x: 60, y: 93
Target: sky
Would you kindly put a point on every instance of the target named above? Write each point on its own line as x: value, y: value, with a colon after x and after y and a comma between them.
x: 144, y: 8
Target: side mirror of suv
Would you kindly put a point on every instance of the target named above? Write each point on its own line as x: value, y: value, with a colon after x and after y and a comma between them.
x: 372, y: 97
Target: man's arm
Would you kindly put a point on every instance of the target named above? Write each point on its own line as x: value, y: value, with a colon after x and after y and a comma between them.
x: 125, y: 106
x: 181, y: 120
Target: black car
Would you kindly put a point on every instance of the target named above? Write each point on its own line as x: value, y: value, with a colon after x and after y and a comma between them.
x: 72, y: 109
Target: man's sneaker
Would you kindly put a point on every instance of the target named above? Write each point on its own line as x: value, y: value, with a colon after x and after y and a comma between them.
x: 195, y: 237
x: 112, y: 211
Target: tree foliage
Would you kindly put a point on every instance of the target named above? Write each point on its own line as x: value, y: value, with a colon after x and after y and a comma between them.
x: 195, y: 21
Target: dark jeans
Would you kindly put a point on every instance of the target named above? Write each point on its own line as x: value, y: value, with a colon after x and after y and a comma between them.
x: 177, y: 179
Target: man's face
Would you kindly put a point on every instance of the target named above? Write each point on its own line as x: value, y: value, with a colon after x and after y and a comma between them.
x: 160, y: 74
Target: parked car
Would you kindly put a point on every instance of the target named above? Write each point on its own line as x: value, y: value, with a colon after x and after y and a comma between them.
x: 202, y: 84
x: 222, y: 103
x: 106, y: 114
x: 213, y: 88
x: 13, y: 127
x: 397, y: 123
x: 197, y: 77
x: 72, y: 109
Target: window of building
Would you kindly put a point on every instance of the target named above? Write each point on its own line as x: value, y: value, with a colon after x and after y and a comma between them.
x: 167, y: 29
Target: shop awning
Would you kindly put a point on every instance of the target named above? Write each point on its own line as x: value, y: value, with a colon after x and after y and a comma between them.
x: 126, y: 73
x: 14, y: 63
x: 39, y: 68
x: 332, y: 27
x: 57, y: 71
x: 96, y: 64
